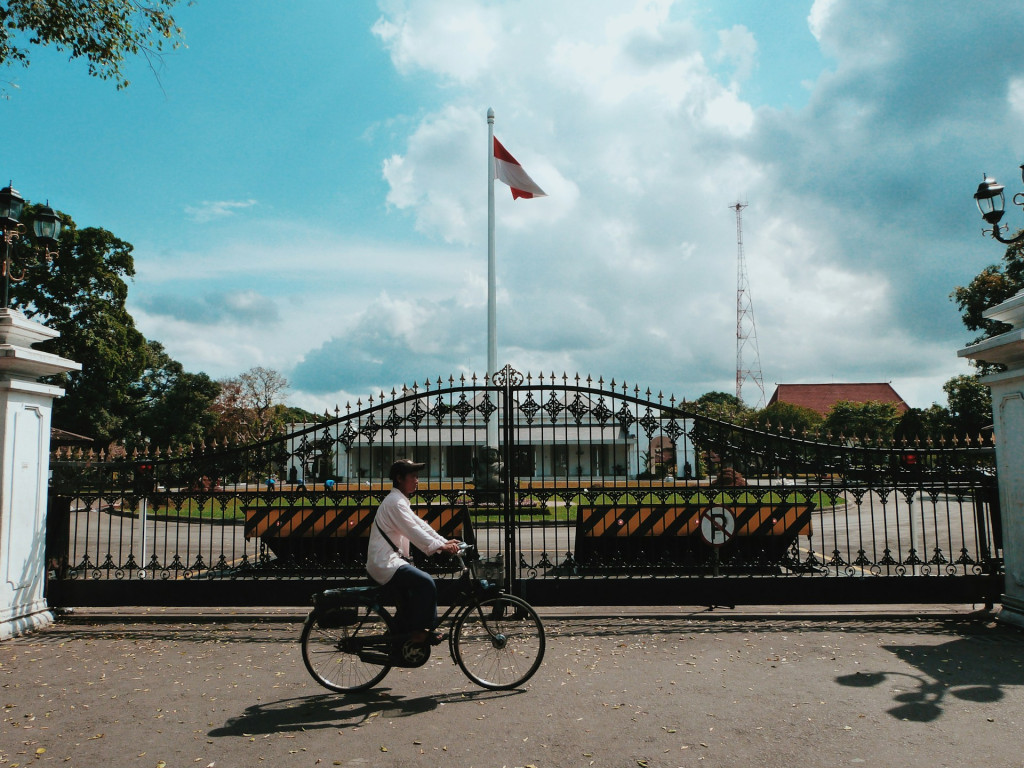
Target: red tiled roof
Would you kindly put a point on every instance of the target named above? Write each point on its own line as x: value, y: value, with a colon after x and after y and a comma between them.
x: 821, y: 397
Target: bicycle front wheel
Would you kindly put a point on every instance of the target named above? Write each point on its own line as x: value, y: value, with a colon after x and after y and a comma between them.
x: 499, y: 642
x: 351, y: 657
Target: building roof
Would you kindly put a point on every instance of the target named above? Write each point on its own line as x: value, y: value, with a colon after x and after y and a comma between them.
x: 60, y: 437
x: 821, y: 397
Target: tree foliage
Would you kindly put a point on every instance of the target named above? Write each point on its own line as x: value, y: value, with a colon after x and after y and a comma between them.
x: 249, y: 406
x: 970, y: 405
x: 173, y: 406
x: 870, y: 421
x: 721, y: 405
x: 104, y: 32
x: 789, y: 418
x: 993, y: 285
x: 923, y: 424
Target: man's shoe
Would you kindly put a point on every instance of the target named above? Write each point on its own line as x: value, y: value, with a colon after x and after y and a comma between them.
x: 432, y: 638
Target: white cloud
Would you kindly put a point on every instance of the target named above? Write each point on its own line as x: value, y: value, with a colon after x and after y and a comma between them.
x: 1015, y: 96
x: 738, y: 47
x: 210, y: 210
x: 820, y: 15
x: 419, y: 38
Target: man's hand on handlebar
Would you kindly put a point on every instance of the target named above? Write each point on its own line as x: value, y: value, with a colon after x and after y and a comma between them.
x: 451, y: 547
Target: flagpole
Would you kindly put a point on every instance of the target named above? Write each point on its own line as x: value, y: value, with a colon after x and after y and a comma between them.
x: 492, y: 302
x: 492, y: 309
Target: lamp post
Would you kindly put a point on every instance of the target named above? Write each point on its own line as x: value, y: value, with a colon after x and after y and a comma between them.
x: 992, y: 203
x: 46, y: 226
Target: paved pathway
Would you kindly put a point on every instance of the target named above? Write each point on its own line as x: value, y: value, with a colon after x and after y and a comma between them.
x: 623, y: 688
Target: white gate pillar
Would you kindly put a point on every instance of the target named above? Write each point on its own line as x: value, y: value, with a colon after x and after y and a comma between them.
x: 1008, y: 421
x: 25, y: 409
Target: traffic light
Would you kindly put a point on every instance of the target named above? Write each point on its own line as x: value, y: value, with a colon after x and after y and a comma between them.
x: 145, y: 478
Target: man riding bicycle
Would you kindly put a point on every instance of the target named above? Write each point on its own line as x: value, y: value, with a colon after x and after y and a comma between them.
x: 395, y: 527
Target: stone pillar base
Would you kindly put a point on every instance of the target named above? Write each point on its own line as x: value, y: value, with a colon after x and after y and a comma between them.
x: 26, y: 622
x: 1012, y: 612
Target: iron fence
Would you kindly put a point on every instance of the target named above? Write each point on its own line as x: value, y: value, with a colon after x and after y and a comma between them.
x: 575, y: 491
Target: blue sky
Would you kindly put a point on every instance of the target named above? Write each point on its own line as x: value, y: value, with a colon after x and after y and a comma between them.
x: 306, y: 190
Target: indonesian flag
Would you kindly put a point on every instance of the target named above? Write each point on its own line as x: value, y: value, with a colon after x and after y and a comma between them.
x: 508, y: 170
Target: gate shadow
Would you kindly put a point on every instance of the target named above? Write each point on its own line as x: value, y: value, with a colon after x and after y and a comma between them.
x: 321, y: 711
x: 975, y: 624
x: 969, y: 669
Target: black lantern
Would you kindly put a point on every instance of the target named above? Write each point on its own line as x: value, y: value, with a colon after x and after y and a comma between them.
x: 992, y: 204
x: 991, y: 201
x: 47, y: 228
x: 10, y: 208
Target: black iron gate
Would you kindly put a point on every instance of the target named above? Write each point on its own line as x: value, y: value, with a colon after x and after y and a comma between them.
x: 575, y: 492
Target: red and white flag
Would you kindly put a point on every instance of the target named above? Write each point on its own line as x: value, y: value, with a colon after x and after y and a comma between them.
x: 508, y: 170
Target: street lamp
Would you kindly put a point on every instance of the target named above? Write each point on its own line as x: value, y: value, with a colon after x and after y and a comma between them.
x: 992, y: 202
x: 46, y: 227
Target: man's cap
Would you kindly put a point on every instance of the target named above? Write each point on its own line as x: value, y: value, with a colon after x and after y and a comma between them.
x: 403, y: 467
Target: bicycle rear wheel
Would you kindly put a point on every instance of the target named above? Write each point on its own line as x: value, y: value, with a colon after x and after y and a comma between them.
x: 351, y: 657
x: 499, y: 642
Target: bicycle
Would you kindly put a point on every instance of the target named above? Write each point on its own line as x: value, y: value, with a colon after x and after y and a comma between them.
x: 349, y: 642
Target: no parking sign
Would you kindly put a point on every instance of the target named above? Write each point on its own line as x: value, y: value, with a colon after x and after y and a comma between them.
x: 717, y: 526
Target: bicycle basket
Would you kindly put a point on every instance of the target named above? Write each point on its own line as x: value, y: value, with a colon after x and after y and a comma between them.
x: 332, y: 618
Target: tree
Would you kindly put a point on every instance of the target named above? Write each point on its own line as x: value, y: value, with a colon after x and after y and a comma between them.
x: 173, y: 407
x: 993, y: 285
x: 873, y: 420
x: 104, y: 32
x: 294, y: 415
x: 249, y: 407
x: 917, y: 424
x: 970, y: 405
x: 82, y: 295
x: 721, y: 405
x: 789, y: 418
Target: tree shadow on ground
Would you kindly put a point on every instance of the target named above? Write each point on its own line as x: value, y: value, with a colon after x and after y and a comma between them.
x: 306, y: 713
x: 971, y: 669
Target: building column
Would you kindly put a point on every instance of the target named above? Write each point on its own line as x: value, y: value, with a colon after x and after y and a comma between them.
x: 25, y: 409
x: 1008, y: 422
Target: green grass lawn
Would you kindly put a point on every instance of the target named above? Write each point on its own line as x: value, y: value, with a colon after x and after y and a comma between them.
x: 231, y: 507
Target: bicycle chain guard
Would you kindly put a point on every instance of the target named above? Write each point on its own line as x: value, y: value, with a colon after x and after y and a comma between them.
x: 410, y: 654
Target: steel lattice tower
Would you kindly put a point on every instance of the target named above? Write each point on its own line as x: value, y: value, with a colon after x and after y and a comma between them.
x: 746, y: 328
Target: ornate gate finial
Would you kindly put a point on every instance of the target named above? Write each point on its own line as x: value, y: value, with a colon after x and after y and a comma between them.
x: 508, y: 377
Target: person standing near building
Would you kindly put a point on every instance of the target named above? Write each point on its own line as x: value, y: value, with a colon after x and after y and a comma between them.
x: 394, y: 529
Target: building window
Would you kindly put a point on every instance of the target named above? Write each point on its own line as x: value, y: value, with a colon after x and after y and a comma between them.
x: 523, y: 461
x: 560, y: 460
x: 460, y: 460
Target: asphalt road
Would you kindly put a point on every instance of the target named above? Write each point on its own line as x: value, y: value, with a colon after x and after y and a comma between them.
x: 913, y: 686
